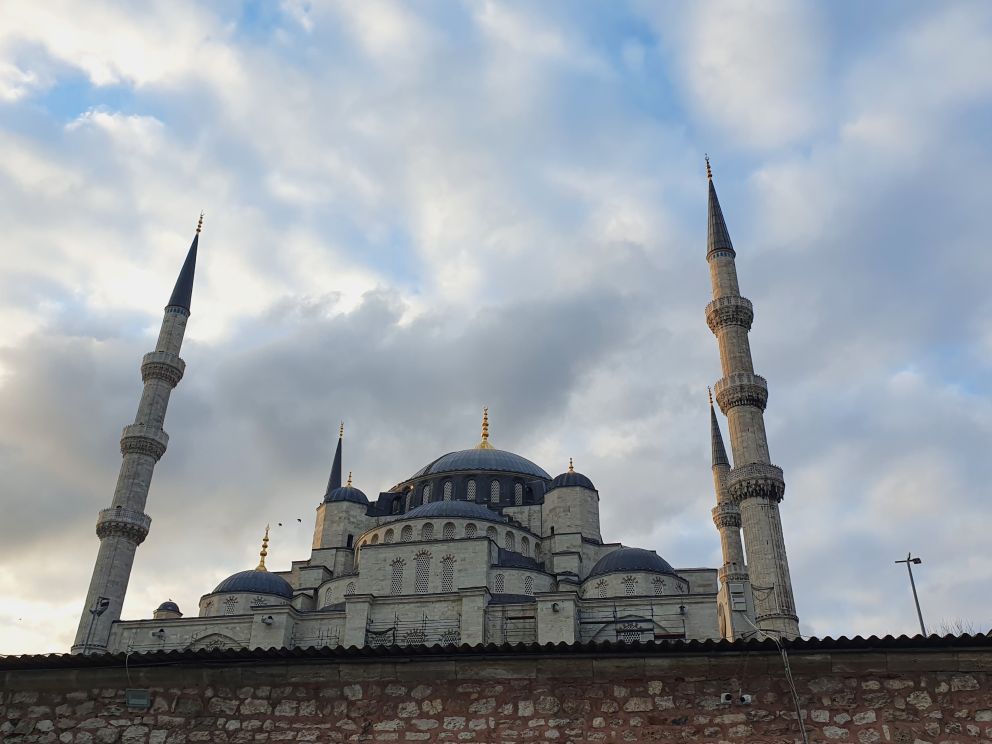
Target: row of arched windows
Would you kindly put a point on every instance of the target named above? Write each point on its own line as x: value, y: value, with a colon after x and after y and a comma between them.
x: 499, y: 584
x: 448, y: 531
x: 422, y: 573
x: 428, y: 494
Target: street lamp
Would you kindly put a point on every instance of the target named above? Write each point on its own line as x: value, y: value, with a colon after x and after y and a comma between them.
x: 909, y: 561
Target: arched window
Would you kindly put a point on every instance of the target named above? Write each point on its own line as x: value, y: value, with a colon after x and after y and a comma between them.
x: 350, y: 589
x: 529, y: 585
x: 414, y: 637
x: 492, y: 534
x: 396, y: 576
x: 375, y: 539
x: 389, y: 536
x: 406, y: 534
x: 499, y: 584
x: 447, y: 573
x: 449, y: 490
x: 427, y: 493
x: 397, y: 504
x: 525, y: 546
x: 658, y: 585
x: 629, y: 633
x: 423, y: 572
x: 427, y: 532
x: 409, y: 501
x: 494, y: 492
x: 231, y: 606
x: 629, y: 586
x: 518, y: 494
x: 470, y: 494
x: 601, y: 589
x: 471, y: 530
x: 510, y: 542
x: 537, y: 551
x: 448, y: 531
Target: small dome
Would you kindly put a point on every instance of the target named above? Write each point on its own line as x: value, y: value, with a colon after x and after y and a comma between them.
x: 631, y: 559
x: 477, y: 459
x: 168, y: 606
x: 572, y: 479
x: 462, y: 509
x: 347, y: 493
x: 256, y: 582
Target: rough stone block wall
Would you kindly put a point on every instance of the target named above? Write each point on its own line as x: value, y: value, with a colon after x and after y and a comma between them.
x: 912, y: 697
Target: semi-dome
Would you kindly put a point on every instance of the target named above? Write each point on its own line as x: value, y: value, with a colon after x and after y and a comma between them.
x: 257, y: 582
x: 168, y: 606
x: 346, y: 493
x: 461, y: 509
x: 482, y: 459
x: 631, y: 559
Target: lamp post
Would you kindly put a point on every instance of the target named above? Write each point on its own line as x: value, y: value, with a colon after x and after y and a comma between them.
x: 909, y: 561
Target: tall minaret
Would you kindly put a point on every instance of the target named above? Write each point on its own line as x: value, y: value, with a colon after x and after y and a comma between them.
x: 754, y: 484
x: 124, y: 526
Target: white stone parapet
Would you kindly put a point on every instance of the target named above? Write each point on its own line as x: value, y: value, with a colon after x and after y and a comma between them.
x: 144, y: 440
x: 162, y: 365
x: 741, y: 389
x: 129, y: 523
x: 729, y: 310
x: 756, y: 480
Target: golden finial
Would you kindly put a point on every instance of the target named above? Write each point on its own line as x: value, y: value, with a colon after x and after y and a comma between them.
x: 709, y: 172
x: 709, y: 392
x: 484, y: 444
x: 341, y: 431
x: 264, y: 551
x: 349, y: 479
x: 199, y: 224
x: 571, y: 467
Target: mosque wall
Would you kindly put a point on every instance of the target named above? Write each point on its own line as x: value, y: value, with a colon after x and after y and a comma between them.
x: 934, y: 692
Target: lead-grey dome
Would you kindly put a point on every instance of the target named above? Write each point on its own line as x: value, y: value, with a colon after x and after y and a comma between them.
x: 482, y: 459
x: 257, y: 582
x: 168, y: 606
x: 572, y: 479
x: 462, y: 509
x: 631, y: 559
x: 347, y: 493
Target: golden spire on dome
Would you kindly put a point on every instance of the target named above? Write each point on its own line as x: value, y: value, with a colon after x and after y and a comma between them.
x: 571, y: 467
x: 484, y: 444
x: 341, y: 431
x: 199, y: 224
x: 264, y: 551
x: 709, y: 171
x: 349, y: 479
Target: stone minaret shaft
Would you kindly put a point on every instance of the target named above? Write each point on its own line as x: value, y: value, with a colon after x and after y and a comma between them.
x: 754, y: 484
x: 726, y: 514
x: 124, y: 526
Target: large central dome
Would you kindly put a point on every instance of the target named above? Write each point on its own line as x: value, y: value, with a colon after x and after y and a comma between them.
x: 480, y: 459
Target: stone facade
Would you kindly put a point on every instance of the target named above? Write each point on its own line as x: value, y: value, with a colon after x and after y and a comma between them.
x: 910, y: 691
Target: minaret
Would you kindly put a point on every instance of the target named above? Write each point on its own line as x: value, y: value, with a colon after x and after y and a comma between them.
x: 124, y: 526
x: 754, y: 484
x: 335, y: 480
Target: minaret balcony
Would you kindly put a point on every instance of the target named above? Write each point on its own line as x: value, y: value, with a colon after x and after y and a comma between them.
x: 757, y: 480
x: 729, y: 310
x: 128, y: 523
x: 726, y: 515
x: 162, y: 365
x: 144, y: 440
x: 741, y: 389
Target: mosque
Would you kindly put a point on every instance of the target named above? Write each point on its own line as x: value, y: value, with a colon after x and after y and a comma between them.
x: 479, y: 546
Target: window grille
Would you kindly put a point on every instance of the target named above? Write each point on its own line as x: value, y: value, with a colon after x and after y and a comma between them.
x: 510, y: 542
x: 494, y: 492
x: 492, y: 534
x: 375, y: 539
x: 422, y: 578
x: 471, y: 491
x: 629, y: 586
x: 448, y: 531
x: 449, y: 490
x: 499, y: 584
x: 447, y: 573
x: 396, y: 577
x: 451, y: 637
x: 406, y: 534
x: 414, y: 638
x: 629, y: 633
x: 409, y: 501
x: 658, y: 584
x: 427, y: 532
x: 230, y: 605
x: 350, y: 589
x: 518, y: 494
x: 427, y: 493
x: 389, y: 537
x: 601, y: 588
x: 529, y: 585
x: 471, y: 530
x: 525, y: 546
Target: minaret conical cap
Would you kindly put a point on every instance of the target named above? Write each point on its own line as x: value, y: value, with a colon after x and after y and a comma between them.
x: 335, y: 480
x: 182, y: 293
x: 719, y: 451
x: 717, y: 235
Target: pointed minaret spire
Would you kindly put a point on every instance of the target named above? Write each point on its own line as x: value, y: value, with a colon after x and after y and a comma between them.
x: 717, y: 235
x: 182, y: 293
x: 335, y: 480
x: 264, y: 551
x: 484, y: 444
x: 719, y: 451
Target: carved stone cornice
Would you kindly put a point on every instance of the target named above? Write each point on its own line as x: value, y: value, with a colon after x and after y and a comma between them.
x: 133, y: 525
x: 730, y: 572
x: 161, y: 365
x: 144, y: 440
x: 729, y: 310
x: 741, y: 389
x: 756, y: 481
x: 726, y: 514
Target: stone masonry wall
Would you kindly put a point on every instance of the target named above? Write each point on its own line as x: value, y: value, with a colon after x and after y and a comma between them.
x: 914, y: 697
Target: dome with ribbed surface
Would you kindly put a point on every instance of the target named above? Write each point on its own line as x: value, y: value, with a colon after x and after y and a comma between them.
x: 631, y: 559
x: 256, y: 582
x: 168, y: 606
x: 482, y: 459
x: 461, y: 509
x: 571, y: 479
x: 347, y: 493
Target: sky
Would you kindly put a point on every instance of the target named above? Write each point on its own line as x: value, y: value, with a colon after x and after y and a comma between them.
x: 417, y: 209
